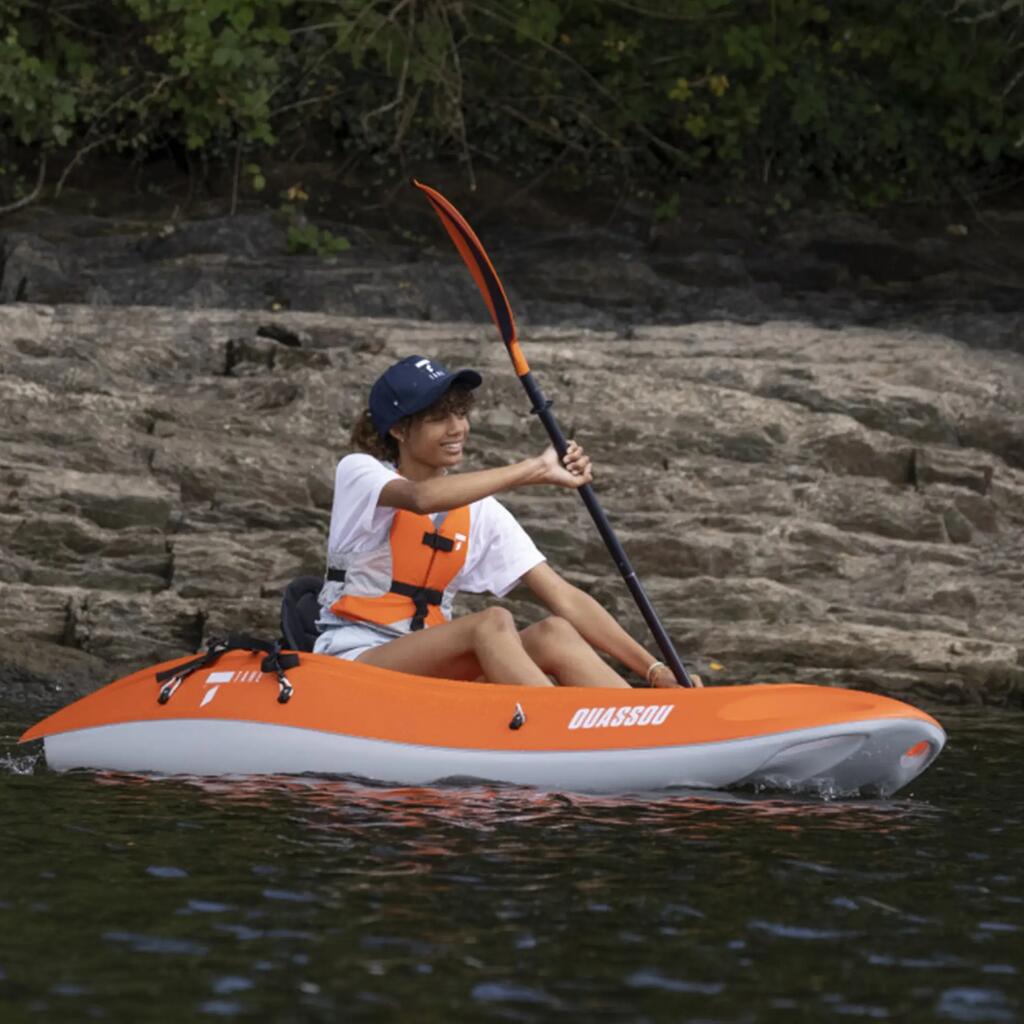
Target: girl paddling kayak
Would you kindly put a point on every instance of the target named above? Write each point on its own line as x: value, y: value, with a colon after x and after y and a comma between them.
x: 404, y: 537
x: 407, y: 535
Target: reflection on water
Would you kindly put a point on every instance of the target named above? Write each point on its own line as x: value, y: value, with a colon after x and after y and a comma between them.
x: 326, y: 899
x: 333, y: 803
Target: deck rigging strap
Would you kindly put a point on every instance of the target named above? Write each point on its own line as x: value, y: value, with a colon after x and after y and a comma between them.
x: 275, y: 661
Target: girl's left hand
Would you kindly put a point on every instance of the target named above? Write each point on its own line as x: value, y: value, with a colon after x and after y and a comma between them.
x: 665, y: 678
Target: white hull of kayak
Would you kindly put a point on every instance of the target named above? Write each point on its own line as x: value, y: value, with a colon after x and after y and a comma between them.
x: 877, y: 757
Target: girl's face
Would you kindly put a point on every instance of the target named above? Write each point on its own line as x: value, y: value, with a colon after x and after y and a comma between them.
x: 434, y: 441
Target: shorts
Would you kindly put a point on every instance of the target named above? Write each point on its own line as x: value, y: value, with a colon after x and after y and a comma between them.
x: 351, y: 639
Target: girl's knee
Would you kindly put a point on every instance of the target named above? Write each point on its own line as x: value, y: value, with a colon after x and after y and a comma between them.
x: 494, y: 620
x: 555, y: 629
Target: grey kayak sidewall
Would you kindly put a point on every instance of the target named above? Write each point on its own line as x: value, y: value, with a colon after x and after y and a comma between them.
x: 838, y: 759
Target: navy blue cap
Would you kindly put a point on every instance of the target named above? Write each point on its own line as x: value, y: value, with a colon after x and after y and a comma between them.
x: 410, y: 386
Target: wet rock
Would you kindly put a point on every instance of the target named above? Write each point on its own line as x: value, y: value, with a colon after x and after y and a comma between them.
x: 247, y: 356
x: 77, y: 553
x: 284, y: 334
x: 115, y: 503
x: 251, y: 235
x: 240, y: 559
x: 33, y: 270
x: 130, y: 629
x: 955, y: 467
x: 849, y: 450
x: 37, y: 671
x: 321, y: 491
x: 34, y: 613
x: 958, y: 529
x: 999, y: 431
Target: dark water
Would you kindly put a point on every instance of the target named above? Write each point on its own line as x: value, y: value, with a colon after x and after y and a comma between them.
x: 130, y: 899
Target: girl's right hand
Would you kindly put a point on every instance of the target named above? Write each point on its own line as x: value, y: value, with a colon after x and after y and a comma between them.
x: 573, y: 472
x: 663, y: 676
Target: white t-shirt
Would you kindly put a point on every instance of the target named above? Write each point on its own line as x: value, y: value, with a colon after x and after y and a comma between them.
x: 500, y: 550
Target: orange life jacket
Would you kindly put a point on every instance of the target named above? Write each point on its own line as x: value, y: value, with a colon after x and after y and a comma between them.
x: 425, y: 558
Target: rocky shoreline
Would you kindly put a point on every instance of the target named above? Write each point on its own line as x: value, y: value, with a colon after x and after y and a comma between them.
x: 824, y: 484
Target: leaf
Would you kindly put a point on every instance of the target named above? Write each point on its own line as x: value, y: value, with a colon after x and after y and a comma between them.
x: 697, y: 126
x: 680, y: 91
x: 64, y: 105
x: 242, y: 18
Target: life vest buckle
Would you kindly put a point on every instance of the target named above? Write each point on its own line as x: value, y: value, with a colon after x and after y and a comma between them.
x: 438, y: 541
x: 422, y: 599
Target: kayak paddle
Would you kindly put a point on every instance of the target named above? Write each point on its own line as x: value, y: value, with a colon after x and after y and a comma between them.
x: 486, y: 277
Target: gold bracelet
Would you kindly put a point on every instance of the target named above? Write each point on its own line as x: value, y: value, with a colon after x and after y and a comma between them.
x: 651, y: 670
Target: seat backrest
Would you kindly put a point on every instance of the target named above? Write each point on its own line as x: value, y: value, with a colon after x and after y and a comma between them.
x: 299, y: 612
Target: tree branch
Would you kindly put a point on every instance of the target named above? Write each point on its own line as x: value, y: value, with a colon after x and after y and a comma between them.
x: 33, y: 195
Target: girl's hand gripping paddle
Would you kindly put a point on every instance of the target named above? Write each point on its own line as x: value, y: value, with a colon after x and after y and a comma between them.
x: 480, y: 266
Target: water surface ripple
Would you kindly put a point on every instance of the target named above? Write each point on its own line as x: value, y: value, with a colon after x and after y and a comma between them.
x: 131, y: 898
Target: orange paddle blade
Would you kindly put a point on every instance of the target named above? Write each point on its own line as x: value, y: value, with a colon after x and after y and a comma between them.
x: 476, y: 259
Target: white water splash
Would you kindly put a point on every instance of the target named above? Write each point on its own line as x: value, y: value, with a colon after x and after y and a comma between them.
x: 24, y: 764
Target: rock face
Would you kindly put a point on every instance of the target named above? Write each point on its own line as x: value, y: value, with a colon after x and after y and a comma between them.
x: 601, y: 267
x: 829, y: 505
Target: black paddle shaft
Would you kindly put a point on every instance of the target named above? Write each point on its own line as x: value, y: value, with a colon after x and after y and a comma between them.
x: 542, y: 408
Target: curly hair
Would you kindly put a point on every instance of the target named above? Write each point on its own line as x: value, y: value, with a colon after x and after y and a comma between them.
x: 364, y: 438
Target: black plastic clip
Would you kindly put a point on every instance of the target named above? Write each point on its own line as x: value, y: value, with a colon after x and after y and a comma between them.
x: 543, y: 407
x: 519, y: 718
x: 284, y: 689
x: 277, y: 662
x: 170, y: 679
x: 168, y: 689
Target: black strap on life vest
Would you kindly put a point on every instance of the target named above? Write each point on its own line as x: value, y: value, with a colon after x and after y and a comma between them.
x: 336, y: 575
x: 275, y: 661
x: 438, y: 541
x: 422, y: 598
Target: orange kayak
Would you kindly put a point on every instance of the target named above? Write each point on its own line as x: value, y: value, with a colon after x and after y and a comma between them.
x: 346, y: 718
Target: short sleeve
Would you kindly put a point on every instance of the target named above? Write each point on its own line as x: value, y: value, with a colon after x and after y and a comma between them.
x: 500, y: 551
x: 356, y: 520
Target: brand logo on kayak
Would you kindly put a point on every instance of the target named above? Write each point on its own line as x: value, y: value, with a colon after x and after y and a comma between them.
x: 249, y: 676
x: 215, y: 680
x: 615, y: 718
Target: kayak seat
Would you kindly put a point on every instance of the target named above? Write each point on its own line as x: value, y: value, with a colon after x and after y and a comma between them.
x: 300, y: 609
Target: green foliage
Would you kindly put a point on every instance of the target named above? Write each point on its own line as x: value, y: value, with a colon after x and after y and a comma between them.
x: 868, y: 102
x: 44, y: 76
x: 303, y: 237
x: 308, y: 238
x: 257, y: 181
x: 213, y: 66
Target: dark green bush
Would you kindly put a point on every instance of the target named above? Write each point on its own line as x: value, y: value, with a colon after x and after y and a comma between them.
x: 860, y: 100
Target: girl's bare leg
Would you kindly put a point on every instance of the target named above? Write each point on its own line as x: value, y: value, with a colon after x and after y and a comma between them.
x: 486, y: 643
x: 555, y: 645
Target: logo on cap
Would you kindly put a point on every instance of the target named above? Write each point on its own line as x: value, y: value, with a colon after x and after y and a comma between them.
x: 425, y: 364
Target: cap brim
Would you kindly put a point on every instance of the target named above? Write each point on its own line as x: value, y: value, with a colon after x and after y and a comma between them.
x: 469, y: 379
